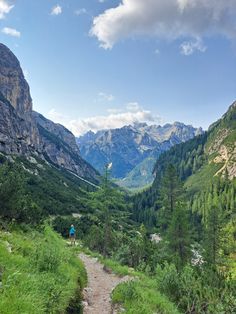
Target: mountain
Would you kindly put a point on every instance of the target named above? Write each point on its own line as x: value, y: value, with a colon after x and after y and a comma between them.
x: 60, y: 147
x: 206, y: 156
x: 24, y: 132
x: 198, y: 160
x: 133, y: 149
x: 18, y: 131
x: 206, y: 166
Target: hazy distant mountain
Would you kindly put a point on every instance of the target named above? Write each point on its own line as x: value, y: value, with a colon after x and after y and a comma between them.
x: 129, y: 146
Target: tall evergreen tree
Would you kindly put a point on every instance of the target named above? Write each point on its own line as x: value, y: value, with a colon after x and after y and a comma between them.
x: 212, y: 238
x: 170, y: 192
x: 178, y: 235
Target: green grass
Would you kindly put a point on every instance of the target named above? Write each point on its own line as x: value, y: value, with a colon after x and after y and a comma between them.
x: 40, y: 275
x: 141, y: 296
x: 201, y: 179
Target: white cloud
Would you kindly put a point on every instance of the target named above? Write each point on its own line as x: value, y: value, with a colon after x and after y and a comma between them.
x: 170, y: 19
x: 80, y: 11
x: 56, y: 10
x: 187, y: 48
x: 116, y: 118
x: 111, y: 121
x: 5, y: 8
x: 114, y: 110
x: 11, y: 32
x: 105, y: 96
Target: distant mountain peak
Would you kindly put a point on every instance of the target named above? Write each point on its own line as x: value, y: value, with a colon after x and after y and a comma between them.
x: 128, y: 146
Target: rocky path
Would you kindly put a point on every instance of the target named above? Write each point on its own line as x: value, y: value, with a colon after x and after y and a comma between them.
x: 97, y: 295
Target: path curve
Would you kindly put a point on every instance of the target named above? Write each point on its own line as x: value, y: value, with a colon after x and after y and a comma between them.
x: 97, y: 295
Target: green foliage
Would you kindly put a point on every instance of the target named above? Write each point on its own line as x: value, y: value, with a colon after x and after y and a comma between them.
x: 171, y: 192
x: 197, y: 290
x: 212, y: 235
x: 178, y: 235
x: 187, y: 158
x: 207, y: 218
x: 15, y: 203
x: 38, y: 189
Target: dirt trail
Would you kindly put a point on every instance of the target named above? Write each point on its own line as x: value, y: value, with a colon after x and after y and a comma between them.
x: 97, y: 295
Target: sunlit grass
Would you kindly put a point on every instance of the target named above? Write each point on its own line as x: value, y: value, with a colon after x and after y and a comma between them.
x: 39, y: 275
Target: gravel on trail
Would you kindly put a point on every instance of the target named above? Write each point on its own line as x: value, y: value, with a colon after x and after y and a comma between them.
x: 97, y: 295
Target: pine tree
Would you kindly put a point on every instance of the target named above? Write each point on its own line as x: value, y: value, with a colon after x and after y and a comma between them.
x: 178, y: 235
x: 213, y: 235
x: 171, y: 192
x: 11, y: 191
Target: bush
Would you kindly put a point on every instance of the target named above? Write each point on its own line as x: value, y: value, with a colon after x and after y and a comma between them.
x: 196, y: 290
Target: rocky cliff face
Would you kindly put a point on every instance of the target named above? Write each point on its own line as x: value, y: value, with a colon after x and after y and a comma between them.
x: 18, y: 131
x: 23, y: 132
x: 59, y: 146
x: 12, y: 82
x: 129, y: 146
x: 221, y: 146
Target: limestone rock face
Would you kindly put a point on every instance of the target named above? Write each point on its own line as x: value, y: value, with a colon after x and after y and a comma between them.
x: 58, y: 130
x: 17, y: 135
x: 221, y: 146
x: 59, y: 146
x: 18, y: 131
x: 12, y: 82
x: 24, y: 132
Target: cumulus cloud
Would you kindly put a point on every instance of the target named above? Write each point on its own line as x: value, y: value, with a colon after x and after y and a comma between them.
x: 170, y: 20
x: 113, y: 120
x: 189, y: 47
x: 11, y: 32
x: 5, y: 8
x: 56, y: 10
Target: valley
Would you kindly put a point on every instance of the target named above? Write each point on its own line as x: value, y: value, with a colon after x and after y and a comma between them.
x: 176, y: 237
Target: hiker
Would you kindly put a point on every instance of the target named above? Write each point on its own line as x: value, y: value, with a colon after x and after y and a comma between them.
x: 72, y: 234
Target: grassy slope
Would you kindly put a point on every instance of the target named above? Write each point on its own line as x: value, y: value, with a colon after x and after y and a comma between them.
x: 140, y: 176
x: 203, y: 177
x: 40, y: 275
x: 54, y: 190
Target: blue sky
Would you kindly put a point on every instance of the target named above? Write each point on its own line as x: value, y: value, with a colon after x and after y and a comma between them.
x: 96, y: 64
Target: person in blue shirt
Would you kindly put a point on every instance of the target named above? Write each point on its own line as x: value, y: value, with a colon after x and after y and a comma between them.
x: 72, y: 234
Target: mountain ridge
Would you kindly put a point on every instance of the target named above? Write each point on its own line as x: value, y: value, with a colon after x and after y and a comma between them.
x: 129, y: 146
